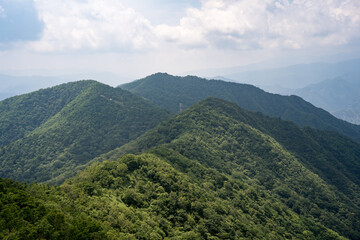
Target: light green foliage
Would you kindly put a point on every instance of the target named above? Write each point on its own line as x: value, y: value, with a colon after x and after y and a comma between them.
x: 143, y: 197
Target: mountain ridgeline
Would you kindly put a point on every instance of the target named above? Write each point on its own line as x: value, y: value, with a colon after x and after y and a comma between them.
x: 215, y: 171
x: 48, y: 134
x: 175, y: 93
x: 315, y: 173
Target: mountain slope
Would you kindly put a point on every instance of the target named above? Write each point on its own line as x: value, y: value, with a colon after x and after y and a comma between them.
x: 170, y: 92
x: 339, y: 96
x: 350, y: 114
x: 65, y: 130
x: 244, y: 145
x: 296, y: 76
x: 22, y: 114
x: 143, y: 197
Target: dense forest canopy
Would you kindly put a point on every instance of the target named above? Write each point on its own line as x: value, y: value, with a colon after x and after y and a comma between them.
x: 169, y: 92
x: 214, y: 171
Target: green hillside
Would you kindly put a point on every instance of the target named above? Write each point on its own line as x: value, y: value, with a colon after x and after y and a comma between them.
x: 143, y: 197
x: 215, y: 171
x: 22, y: 114
x: 315, y: 178
x: 169, y: 92
x: 56, y: 131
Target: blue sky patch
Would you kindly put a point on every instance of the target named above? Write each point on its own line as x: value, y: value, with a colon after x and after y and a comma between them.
x: 19, y: 21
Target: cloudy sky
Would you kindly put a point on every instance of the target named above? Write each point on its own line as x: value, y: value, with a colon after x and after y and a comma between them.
x: 134, y: 38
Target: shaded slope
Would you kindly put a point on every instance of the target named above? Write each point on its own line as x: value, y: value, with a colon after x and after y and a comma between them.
x: 97, y: 120
x: 169, y: 91
x: 244, y: 145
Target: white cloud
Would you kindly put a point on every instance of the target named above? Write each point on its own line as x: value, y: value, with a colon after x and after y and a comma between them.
x: 107, y: 25
x: 91, y: 25
x: 266, y: 24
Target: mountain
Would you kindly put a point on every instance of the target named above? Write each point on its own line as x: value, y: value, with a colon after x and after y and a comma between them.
x: 50, y: 134
x: 314, y: 173
x: 12, y: 85
x: 350, y: 114
x: 16, y: 85
x: 295, y: 76
x: 178, y: 93
x: 143, y: 197
x: 340, y: 96
x: 215, y: 171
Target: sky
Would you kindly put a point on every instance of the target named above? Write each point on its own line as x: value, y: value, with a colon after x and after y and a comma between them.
x: 135, y: 38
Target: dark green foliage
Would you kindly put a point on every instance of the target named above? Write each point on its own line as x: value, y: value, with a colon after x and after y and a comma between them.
x: 169, y: 91
x: 246, y: 145
x: 29, y: 212
x: 98, y: 119
x: 143, y: 197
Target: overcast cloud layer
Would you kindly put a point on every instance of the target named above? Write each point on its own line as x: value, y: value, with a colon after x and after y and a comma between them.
x: 231, y: 26
x: 244, y: 24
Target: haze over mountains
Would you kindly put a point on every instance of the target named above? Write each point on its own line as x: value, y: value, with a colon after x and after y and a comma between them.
x: 340, y: 96
x: 314, y: 82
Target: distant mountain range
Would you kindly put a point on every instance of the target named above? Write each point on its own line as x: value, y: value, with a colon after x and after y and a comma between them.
x: 295, y: 76
x: 12, y: 85
x: 340, y: 96
x: 176, y: 93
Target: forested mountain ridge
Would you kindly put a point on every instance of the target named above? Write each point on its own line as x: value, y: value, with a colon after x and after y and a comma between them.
x: 143, y: 197
x: 170, y: 92
x: 22, y: 114
x: 64, y: 127
x: 244, y: 145
x: 215, y: 171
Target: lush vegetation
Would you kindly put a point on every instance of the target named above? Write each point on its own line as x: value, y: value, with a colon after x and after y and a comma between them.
x: 22, y: 114
x: 143, y: 197
x: 320, y: 182
x: 215, y: 171
x: 57, y: 143
x: 169, y: 91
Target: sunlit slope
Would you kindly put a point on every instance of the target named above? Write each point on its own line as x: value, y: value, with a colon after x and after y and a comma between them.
x: 321, y: 182
x: 96, y: 120
x: 143, y: 197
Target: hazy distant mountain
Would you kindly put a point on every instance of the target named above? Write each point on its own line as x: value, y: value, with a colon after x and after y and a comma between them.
x: 49, y: 134
x: 178, y: 93
x: 16, y: 85
x: 296, y: 76
x: 340, y: 96
x: 350, y: 114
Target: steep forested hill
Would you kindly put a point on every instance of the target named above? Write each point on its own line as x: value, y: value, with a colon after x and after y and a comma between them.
x: 215, y: 171
x: 170, y: 92
x: 143, y: 197
x: 47, y: 134
x: 314, y: 173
